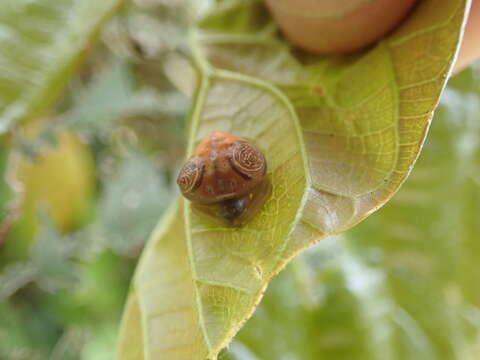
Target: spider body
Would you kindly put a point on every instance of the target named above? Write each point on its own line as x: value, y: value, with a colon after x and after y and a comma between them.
x: 224, y: 170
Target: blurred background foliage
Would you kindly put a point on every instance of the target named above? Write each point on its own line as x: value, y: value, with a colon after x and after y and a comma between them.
x: 85, y: 184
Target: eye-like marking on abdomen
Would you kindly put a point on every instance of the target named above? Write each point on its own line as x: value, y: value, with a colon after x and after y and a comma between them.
x: 191, y: 174
x: 247, y: 160
x: 223, y: 168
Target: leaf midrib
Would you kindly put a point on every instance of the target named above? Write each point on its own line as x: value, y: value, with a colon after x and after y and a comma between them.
x: 207, y: 74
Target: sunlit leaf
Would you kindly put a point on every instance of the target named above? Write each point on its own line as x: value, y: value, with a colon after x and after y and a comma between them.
x: 401, y: 285
x: 364, y: 117
x: 167, y: 256
x: 40, y: 42
x: 340, y: 135
x: 131, y: 333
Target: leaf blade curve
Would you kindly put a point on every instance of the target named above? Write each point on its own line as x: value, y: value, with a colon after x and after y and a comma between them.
x: 231, y: 266
x: 218, y: 299
x: 358, y: 124
x: 364, y: 117
x: 394, y: 274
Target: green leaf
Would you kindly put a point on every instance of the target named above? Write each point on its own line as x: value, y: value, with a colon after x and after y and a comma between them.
x: 131, y: 332
x: 340, y: 136
x: 240, y: 278
x: 364, y: 117
x: 167, y: 255
x: 40, y: 43
x: 404, y: 283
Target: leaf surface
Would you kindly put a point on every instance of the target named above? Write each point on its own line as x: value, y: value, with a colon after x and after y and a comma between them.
x: 340, y: 136
x: 403, y: 283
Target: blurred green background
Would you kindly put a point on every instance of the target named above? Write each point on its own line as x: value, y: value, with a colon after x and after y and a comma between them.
x: 84, y: 185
